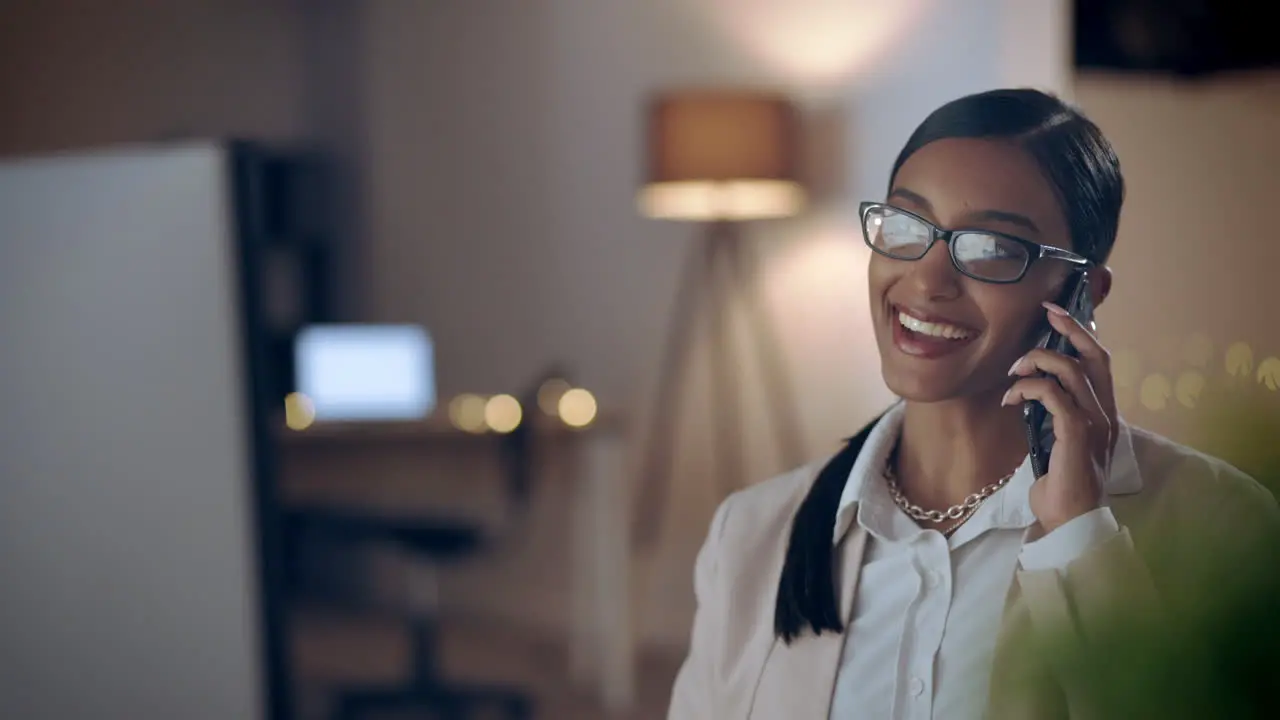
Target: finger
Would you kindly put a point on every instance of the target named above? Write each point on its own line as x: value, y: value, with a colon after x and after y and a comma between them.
x: 1070, y: 373
x: 1095, y: 358
x: 1082, y: 339
x: 1070, y: 423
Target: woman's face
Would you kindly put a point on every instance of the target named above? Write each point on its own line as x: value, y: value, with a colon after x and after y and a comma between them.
x: 975, y: 330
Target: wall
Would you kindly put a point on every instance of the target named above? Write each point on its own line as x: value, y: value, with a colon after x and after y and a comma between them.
x: 501, y: 148
x: 498, y: 150
x: 83, y: 73
x: 77, y: 73
x: 1195, y: 261
x: 502, y: 169
x: 503, y: 165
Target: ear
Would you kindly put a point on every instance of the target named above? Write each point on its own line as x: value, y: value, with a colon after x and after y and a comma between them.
x: 1099, y: 284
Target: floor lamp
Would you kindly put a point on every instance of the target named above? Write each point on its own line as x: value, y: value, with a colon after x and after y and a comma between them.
x: 718, y: 158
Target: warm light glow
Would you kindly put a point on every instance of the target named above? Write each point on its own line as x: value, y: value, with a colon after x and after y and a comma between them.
x: 1188, y: 388
x: 814, y: 288
x: 549, y: 395
x: 730, y: 200
x: 1156, y: 391
x: 817, y: 281
x: 818, y: 42
x: 502, y: 413
x: 577, y: 408
x: 1240, y: 360
x: 467, y: 412
x: 299, y: 411
x: 1269, y: 373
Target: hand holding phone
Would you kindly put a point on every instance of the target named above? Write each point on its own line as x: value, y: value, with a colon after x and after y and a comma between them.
x: 1079, y: 305
x: 1065, y: 389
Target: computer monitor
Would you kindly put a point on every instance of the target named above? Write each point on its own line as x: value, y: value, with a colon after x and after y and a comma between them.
x: 362, y: 372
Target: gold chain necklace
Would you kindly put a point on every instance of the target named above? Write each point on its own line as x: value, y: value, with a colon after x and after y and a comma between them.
x: 959, y: 513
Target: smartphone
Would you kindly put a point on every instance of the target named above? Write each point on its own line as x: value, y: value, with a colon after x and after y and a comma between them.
x: 1077, y: 301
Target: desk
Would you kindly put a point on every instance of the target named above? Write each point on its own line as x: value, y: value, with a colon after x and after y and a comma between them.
x: 597, y: 614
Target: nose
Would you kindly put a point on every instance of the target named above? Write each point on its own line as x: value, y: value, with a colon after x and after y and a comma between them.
x: 935, y: 276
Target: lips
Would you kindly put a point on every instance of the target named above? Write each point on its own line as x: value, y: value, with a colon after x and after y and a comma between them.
x: 927, y: 335
x: 932, y: 325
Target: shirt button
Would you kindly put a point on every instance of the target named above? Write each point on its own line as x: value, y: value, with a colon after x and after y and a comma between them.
x: 917, y: 686
x: 932, y: 579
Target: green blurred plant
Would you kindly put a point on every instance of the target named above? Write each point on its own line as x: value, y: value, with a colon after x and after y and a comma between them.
x: 1243, y: 428
x: 1216, y: 656
x: 1215, y: 653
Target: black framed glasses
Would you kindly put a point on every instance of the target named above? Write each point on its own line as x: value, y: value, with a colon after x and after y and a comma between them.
x: 980, y: 254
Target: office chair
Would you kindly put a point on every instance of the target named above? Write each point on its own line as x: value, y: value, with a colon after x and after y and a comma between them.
x: 427, y: 542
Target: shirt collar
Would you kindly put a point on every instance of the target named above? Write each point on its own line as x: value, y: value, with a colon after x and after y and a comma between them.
x: 1125, y: 478
x: 869, y: 466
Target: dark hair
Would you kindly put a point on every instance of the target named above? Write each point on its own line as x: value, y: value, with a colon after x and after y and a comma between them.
x: 807, y: 589
x: 1085, y: 172
x: 1071, y: 151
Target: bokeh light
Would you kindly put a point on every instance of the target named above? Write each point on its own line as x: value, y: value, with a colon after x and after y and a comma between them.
x: 1269, y: 373
x: 299, y: 411
x: 1239, y: 360
x: 549, y: 395
x: 577, y: 408
x: 503, y: 413
x: 1155, y: 392
x: 467, y: 413
x: 1188, y: 388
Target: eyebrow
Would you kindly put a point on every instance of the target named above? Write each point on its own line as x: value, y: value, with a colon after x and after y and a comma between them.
x: 992, y: 215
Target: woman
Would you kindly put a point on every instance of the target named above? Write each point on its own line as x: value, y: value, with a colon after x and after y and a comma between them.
x: 832, y: 591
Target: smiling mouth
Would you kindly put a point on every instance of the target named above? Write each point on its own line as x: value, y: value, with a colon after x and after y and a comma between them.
x: 932, y: 328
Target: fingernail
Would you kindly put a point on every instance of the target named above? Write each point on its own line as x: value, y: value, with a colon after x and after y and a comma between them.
x: 1005, y: 400
x: 1055, y: 309
x: 1014, y: 368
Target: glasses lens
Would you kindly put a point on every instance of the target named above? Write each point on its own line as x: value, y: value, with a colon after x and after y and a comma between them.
x: 895, y: 234
x: 990, y: 257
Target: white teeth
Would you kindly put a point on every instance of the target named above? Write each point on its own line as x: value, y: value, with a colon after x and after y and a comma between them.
x: 950, y: 332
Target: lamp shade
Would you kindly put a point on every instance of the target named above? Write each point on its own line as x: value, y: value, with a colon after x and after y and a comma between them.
x: 721, y: 155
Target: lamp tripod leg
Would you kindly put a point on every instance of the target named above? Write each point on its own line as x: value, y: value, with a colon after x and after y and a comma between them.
x: 658, y: 461
x: 711, y: 281
x: 722, y: 244
x: 779, y: 394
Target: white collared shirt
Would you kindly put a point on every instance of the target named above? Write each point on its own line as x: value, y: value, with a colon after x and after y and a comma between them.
x: 928, y: 607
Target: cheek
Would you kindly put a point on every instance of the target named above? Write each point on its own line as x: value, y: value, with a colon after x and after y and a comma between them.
x: 1024, y: 331
x: 881, y: 273
x: 1013, y: 319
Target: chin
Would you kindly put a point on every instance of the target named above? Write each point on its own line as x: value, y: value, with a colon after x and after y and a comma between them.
x: 928, y: 370
x: 923, y: 388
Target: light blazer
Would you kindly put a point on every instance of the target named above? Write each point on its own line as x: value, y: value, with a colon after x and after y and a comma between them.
x: 1161, y: 494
